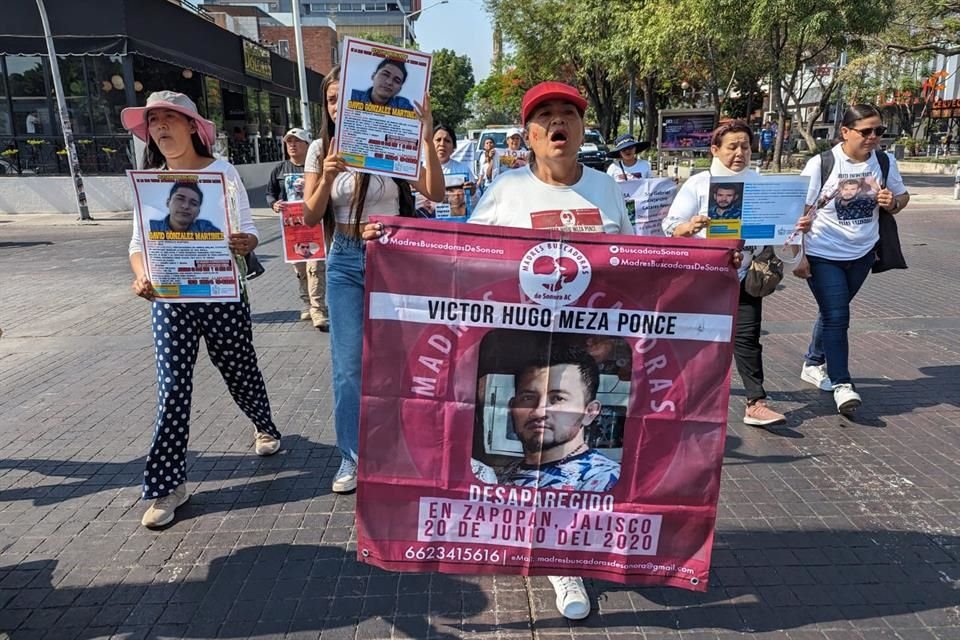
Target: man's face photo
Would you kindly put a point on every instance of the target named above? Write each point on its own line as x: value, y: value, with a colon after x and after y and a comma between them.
x: 183, y: 206
x: 457, y: 200
x: 849, y: 189
x: 387, y: 83
x: 550, y: 407
x: 725, y: 197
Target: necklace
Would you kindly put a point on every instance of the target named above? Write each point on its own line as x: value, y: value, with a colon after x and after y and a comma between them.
x: 572, y: 454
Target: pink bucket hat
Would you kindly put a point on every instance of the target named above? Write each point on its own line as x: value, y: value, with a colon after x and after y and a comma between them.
x: 134, y: 119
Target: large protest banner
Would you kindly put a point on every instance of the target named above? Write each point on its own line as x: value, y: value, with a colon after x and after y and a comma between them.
x: 378, y: 130
x: 543, y: 403
x: 185, y: 222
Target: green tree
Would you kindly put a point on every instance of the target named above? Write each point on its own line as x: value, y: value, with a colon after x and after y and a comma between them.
x: 800, y: 36
x: 450, y: 83
x: 496, y: 99
x: 924, y: 26
x: 571, y: 41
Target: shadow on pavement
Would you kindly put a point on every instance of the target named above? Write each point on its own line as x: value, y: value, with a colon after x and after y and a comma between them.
x: 94, y: 477
x: 258, y: 590
x: 765, y: 581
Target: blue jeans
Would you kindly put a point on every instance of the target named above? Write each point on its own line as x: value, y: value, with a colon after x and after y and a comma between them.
x: 834, y: 283
x: 346, y: 268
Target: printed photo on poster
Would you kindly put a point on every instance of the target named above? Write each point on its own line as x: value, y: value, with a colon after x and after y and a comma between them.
x: 300, y: 242
x: 762, y: 210
x: 508, y: 159
x: 457, y: 202
x: 551, y: 410
x: 378, y: 130
x: 185, y: 226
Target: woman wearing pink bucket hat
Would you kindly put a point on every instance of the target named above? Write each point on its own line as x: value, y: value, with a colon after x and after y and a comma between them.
x: 179, y: 139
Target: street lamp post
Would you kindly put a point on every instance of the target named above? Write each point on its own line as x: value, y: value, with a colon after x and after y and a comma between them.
x: 65, y: 127
x: 301, y: 68
x: 407, y: 16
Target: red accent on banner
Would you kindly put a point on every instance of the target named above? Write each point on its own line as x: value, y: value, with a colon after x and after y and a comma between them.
x: 544, y: 403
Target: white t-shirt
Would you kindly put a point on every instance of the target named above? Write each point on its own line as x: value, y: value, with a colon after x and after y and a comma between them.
x: 456, y: 167
x: 621, y: 172
x: 383, y: 196
x: 846, y: 226
x: 243, y: 204
x: 692, y: 200
x: 519, y: 199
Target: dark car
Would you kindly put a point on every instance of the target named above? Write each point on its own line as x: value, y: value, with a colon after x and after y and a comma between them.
x: 593, y: 151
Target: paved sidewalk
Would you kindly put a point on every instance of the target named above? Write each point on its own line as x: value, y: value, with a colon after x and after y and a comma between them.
x: 827, y: 529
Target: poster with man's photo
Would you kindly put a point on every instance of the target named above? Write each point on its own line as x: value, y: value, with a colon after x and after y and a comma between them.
x: 378, y: 130
x: 648, y: 202
x: 762, y: 210
x: 508, y: 159
x: 534, y: 411
x: 185, y: 228
x: 300, y: 241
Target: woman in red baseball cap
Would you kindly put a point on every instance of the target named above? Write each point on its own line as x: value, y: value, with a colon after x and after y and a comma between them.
x: 179, y: 139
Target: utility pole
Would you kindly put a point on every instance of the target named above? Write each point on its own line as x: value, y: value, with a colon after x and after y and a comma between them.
x: 69, y: 144
x: 302, y: 68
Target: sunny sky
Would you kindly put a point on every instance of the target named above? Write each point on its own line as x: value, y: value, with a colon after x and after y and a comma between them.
x: 460, y: 25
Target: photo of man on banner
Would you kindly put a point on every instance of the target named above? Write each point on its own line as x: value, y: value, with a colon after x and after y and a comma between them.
x: 553, y: 406
x: 183, y: 210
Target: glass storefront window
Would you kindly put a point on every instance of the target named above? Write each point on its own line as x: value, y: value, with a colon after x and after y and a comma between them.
x: 28, y: 89
x: 253, y: 110
x: 152, y: 75
x: 266, y: 122
x: 6, y: 121
x: 214, y: 104
x: 104, y: 74
x: 75, y: 93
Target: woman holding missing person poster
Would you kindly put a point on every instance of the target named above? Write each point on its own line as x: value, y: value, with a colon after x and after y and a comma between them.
x: 343, y: 200
x: 180, y: 140
x: 731, y: 144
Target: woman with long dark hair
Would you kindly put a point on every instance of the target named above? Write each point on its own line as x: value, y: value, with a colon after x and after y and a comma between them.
x: 841, y: 246
x: 343, y: 200
x: 178, y: 139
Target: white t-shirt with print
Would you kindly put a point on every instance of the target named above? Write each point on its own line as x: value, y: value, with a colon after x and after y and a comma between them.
x: 846, y: 226
x: 383, y: 196
x: 621, y: 172
x: 519, y: 199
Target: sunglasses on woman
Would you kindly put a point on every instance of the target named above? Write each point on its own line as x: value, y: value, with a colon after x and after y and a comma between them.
x: 869, y: 131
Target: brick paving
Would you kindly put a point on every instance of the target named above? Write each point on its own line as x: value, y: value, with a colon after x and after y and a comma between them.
x: 828, y: 528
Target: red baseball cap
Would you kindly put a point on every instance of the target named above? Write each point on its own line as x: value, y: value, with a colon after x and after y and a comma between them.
x: 544, y: 91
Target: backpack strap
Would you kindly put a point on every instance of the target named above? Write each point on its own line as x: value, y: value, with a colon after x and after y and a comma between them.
x: 884, y: 161
x: 826, y: 166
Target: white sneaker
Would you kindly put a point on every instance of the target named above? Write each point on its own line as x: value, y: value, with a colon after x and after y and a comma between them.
x: 572, y: 599
x: 817, y: 376
x: 848, y: 400
x: 162, y: 511
x: 265, y: 444
x: 346, y: 479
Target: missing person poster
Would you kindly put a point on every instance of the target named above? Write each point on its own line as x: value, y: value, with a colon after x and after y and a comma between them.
x: 648, y: 202
x: 457, y: 199
x: 378, y: 130
x: 536, y: 412
x: 300, y: 242
x: 762, y: 210
x: 184, y: 231
x: 508, y: 159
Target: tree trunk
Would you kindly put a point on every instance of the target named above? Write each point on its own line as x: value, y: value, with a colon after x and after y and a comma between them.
x: 650, y: 109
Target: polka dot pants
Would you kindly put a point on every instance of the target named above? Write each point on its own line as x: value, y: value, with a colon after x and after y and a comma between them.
x: 177, y: 328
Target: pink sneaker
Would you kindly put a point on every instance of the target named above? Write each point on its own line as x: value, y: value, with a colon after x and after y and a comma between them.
x: 759, y: 414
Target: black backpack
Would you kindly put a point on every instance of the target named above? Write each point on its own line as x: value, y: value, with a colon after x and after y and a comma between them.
x: 889, y: 253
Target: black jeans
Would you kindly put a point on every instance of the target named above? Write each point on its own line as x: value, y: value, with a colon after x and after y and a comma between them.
x: 747, y: 350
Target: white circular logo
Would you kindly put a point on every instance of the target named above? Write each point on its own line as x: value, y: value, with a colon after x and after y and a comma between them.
x: 554, y: 274
x: 614, y: 261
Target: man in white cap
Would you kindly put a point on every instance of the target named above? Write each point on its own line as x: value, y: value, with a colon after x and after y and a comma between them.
x: 286, y: 185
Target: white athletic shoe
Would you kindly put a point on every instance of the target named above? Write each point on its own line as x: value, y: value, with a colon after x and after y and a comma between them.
x: 817, y: 376
x: 346, y: 479
x: 848, y: 400
x: 161, y: 511
x: 572, y: 599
